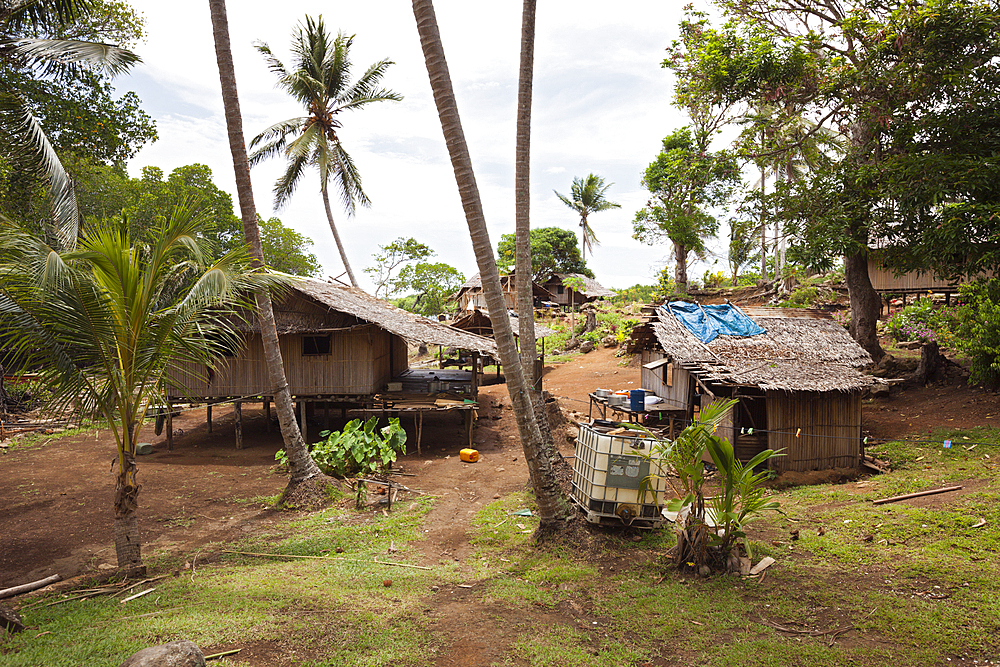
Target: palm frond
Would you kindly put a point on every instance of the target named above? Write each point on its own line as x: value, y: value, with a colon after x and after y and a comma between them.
x: 336, y: 162
x: 30, y: 141
x: 53, y: 53
x: 365, y: 90
x: 285, y: 186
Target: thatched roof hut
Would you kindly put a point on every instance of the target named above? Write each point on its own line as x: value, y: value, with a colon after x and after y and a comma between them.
x: 565, y: 296
x: 470, y: 296
x: 335, y: 341
x: 798, y: 384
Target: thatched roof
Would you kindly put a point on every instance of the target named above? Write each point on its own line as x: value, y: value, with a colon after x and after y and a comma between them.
x: 591, y: 288
x: 796, y: 353
x: 353, y: 306
x: 478, y: 321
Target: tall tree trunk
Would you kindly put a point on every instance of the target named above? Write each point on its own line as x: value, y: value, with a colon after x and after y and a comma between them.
x: 583, y: 238
x: 300, y: 463
x: 866, y: 304
x: 680, y: 268
x: 552, y: 505
x: 336, y: 236
x: 126, y: 524
x: 522, y: 227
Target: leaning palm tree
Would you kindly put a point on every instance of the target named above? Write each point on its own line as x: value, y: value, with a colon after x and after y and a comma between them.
x: 22, y: 135
x: 321, y: 82
x: 300, y: 463
x: 587, y: 195
x: 552, y: 505
x: 106, y: 321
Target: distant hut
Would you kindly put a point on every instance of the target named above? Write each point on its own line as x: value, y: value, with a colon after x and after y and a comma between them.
x: 470, y: 296
x: 798, y: 384
x: 566, y: 296
x: 885, y: 280
x: 479, y: 322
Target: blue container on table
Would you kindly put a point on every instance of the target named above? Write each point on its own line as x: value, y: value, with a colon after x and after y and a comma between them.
x: 637, y: 400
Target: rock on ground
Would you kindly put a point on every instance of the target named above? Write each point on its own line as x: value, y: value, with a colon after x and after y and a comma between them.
x: 180, y: 653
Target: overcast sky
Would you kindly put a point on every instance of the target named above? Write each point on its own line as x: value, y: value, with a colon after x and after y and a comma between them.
x: 601, y: 105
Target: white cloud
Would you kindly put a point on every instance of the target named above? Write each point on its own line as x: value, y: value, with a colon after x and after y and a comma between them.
x: 601, y: 105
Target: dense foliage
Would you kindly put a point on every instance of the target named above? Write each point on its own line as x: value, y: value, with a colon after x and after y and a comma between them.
x: 553, y: 250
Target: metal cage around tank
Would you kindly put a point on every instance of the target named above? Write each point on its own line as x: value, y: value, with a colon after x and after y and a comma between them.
x: 612, y: 480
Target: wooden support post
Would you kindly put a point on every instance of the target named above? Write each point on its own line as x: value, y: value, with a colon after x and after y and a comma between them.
x: 170, y: 426
x: 420, y: 428
x: 326, y: 415
x: 468, y: 425
x: 267, y: 415
x: 208, y: 415
x: 238, y: 419
x: 302, y: 420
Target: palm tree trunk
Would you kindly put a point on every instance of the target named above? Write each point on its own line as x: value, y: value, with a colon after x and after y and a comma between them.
x: 336, y: 236
x: 552, y: 505
x: 583, y: 238
x: 300, y: 462
x: 126, y: 524
x: 522, y: 228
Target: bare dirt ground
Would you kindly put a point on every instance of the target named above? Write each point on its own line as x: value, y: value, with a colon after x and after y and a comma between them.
x: 57, y: 496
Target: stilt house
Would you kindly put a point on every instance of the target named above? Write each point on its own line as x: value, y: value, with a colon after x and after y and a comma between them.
x: 797, y: 383
x: 566, y: 296
x: 337, y: 343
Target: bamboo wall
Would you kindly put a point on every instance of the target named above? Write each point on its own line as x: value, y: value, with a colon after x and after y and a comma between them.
x: 676, y: 396
x: 885, y: 280
x: 361, y: 362
x: 831, y: 429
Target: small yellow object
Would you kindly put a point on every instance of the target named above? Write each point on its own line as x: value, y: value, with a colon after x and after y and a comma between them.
x: 470, y: 455
x: 798, y: 433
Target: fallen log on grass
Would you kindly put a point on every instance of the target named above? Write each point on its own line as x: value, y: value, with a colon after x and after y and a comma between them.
x: 27, y: 588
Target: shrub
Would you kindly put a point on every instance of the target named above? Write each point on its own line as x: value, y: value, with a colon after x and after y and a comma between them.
x: 360, y: 449
x: 978, y: 330
x: 801, y: 298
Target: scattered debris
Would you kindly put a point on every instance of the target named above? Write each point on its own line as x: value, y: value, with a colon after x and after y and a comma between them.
x: 765, y: 563
x: 27, y: 588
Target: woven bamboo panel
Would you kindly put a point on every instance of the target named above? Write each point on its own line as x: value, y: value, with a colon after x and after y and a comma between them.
x: 817, y: 430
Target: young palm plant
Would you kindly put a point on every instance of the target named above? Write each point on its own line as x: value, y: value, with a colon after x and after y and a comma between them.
x: 321, y: 82
x: 105, y: 322
x: 706, y: 535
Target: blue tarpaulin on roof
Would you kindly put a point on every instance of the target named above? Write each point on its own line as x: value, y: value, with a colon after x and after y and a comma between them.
x: 707, y: 322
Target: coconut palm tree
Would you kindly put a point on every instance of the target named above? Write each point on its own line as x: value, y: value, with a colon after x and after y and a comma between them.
x: 105, y: 322
x: 300, y: 463
x: 586, y: 197
x: 321, y: 82
x: 552, y: 505
x: 20, y: 131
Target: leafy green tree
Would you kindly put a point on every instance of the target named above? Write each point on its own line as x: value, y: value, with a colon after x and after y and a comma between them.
x: 106, y: 321
x: 978, y: 330
x: 882, y: 73
x: 743, y: 247
x: 389, y: 258
x: 431, y: 283
x: 320, y: 81
x: 286, y: 250
x: 686, y: 183
x: 32, y: 50
x: 587, y: 196
x: 553, y: 250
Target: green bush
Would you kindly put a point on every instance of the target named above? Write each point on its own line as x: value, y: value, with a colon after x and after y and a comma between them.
x: 360, y: 449
x: 803, y: 297
x: 978, y: 330
x: 922, y: 321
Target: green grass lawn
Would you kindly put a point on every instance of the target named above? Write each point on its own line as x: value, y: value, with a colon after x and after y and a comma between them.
x: 901, y: 584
